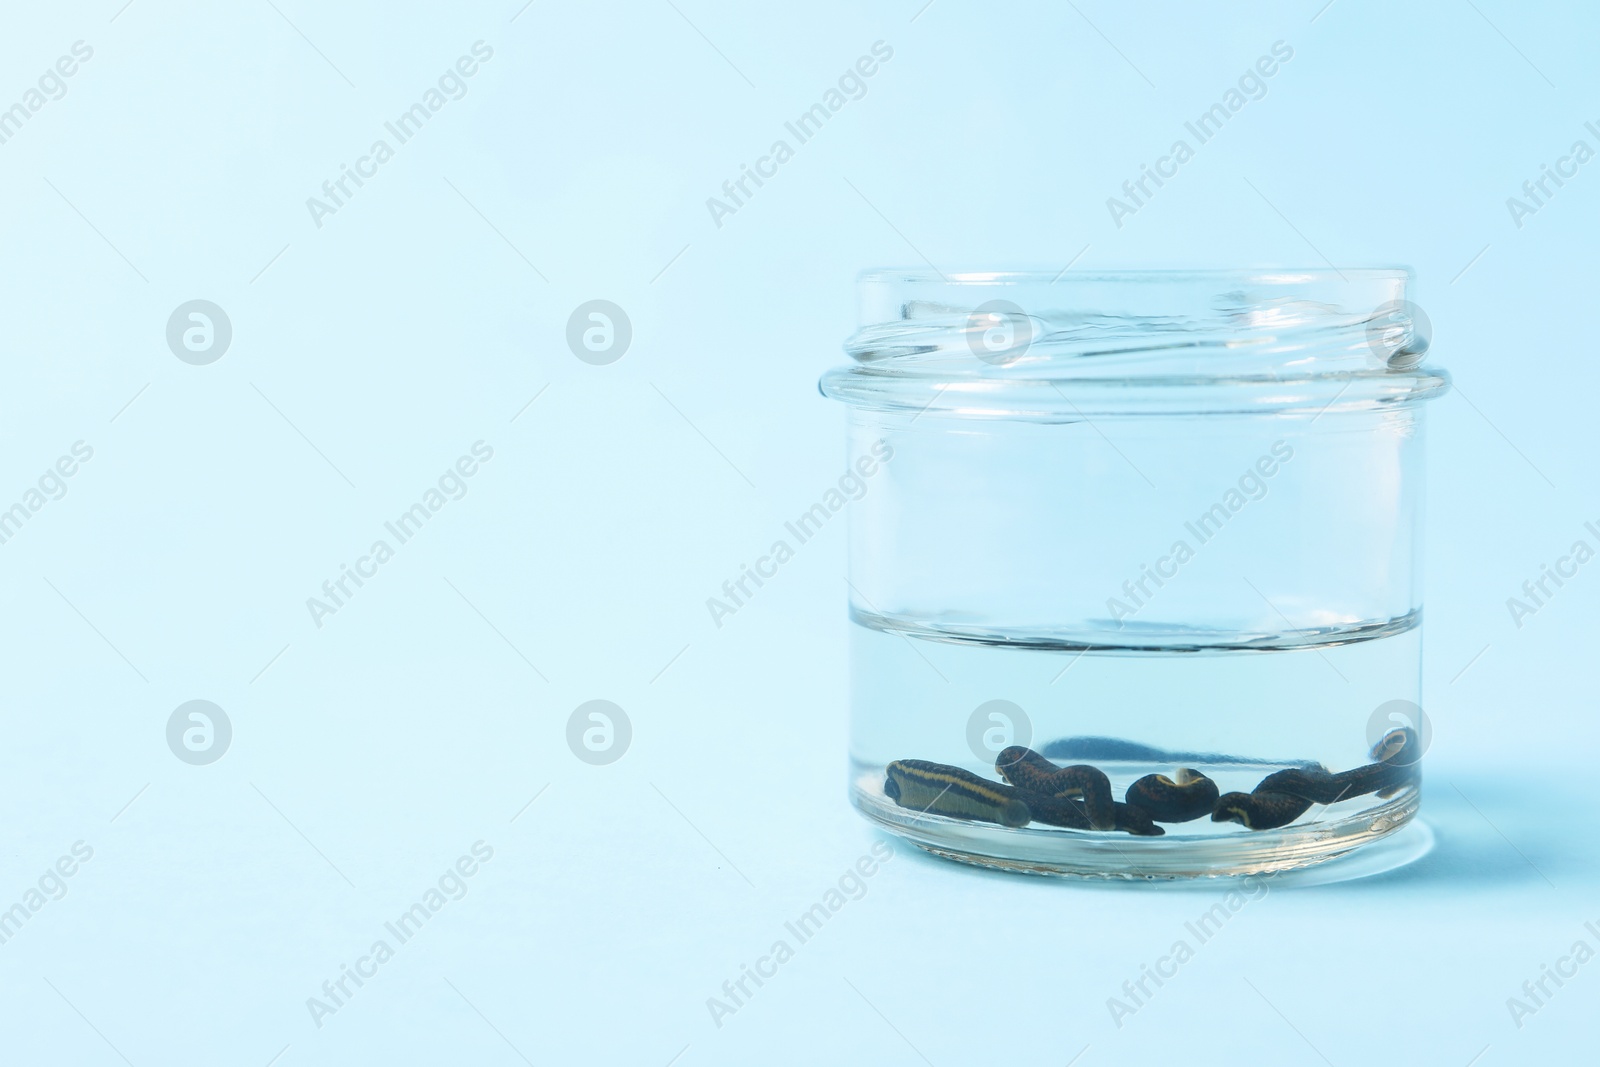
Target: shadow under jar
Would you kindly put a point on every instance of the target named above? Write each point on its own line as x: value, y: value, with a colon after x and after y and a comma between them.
x: 1134, y: 572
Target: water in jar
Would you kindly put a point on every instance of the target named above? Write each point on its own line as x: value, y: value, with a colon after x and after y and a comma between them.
x: 1235, y: 717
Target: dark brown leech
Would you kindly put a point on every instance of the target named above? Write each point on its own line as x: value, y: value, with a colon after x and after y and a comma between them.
x: 1026, y: 769
x: 1312, y: 784
x: 1258, y: 810
x: 1285, y: 795
x: 1068, y: 812
x: 1401, y: 750
x: 1135, y: 820
x: 1191, y: 796
x: 939, y: 789
x: 1373, y: 778
x: 1054, y: 811
x: 1029, y: 771
x: 1393, y: 772
x: 1397, y: 753
x: 1399, y: 746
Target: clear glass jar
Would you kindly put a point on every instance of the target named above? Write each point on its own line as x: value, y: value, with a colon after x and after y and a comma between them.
x: 1135, y: 578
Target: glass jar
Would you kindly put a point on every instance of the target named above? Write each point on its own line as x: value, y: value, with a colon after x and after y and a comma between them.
x: 1134, y: 579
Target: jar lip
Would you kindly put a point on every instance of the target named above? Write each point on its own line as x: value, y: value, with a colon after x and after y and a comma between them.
x: 1257, y: 275
x: 1001, y: 340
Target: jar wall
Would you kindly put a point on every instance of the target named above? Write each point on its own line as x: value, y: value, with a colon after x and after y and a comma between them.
x: 1146, y: 610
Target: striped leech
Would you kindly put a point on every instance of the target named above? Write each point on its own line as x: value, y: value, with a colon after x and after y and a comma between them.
x: 939, y: 789
x: 1089, y: 786
x: 1284, y: 796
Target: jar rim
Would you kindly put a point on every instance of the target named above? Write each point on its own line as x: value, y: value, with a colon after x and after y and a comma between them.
x: 1280, y: 275
x: 1025, y: 343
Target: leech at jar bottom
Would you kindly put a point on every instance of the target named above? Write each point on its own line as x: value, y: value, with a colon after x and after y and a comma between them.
x: 1045, y: 793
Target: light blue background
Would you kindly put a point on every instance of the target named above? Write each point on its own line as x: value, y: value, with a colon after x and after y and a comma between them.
x: 369, y: 353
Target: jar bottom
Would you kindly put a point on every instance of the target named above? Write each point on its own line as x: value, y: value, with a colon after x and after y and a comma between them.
x: 1089, y: 854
